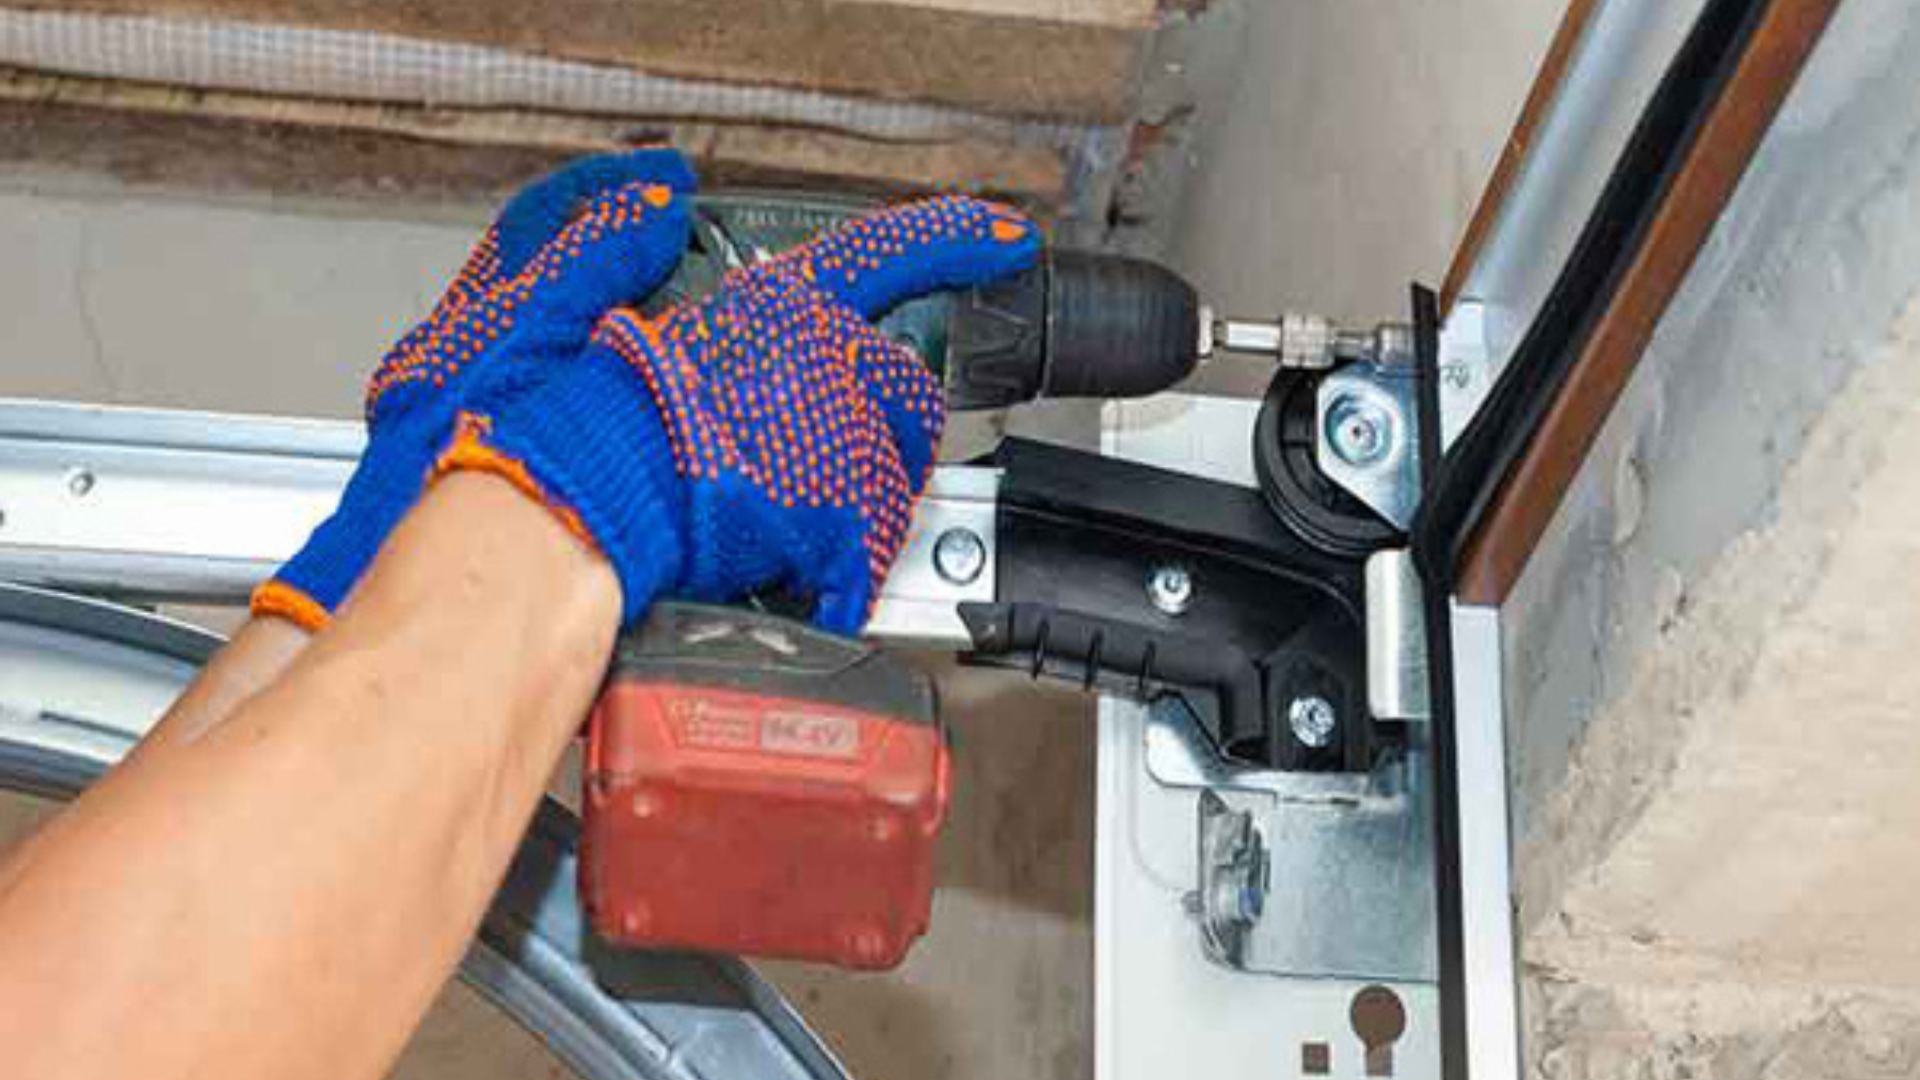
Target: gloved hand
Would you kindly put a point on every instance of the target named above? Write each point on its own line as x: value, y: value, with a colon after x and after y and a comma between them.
x: 601, y: 232
x: 765, y: 435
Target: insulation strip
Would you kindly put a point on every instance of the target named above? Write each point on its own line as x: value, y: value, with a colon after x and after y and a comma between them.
x: 360, y: 66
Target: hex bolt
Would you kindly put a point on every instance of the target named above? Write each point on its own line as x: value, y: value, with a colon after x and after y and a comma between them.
x: 1359, y: 431
x: 959, y: 555
x: 1312, y: 720
x: 1170, y: 590
x: 80, y: 481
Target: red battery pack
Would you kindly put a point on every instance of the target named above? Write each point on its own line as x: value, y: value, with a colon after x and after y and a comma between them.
x: 759, y: 787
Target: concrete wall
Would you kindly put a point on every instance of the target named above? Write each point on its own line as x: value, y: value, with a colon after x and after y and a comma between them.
x: 246, y: 305
x: 1710, y: 677
x: 1355, y: 142
x: 1798, y: 287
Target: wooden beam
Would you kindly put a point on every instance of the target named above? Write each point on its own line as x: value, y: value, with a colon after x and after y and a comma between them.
x: 1072, y: 60
x: 225, y: 140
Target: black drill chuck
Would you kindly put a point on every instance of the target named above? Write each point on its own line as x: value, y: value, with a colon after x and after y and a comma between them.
x: 1077, y: 324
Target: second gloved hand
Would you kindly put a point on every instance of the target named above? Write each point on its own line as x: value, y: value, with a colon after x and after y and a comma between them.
x: 768, y: 434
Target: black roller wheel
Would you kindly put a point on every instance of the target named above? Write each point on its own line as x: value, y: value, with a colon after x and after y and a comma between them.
x: 1315, y: 508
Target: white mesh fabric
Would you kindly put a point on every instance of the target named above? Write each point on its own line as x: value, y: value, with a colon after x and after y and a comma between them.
x: 360, y: 66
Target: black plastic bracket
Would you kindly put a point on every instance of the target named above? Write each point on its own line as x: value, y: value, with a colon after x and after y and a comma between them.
x: 1268, y: 620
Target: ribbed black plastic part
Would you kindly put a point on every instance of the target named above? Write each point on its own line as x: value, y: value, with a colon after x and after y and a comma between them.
x: 1078, y: 325
x: 1117, y: 327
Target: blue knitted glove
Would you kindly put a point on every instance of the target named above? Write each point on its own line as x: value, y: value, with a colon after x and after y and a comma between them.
x: 601, y: 232
x: 766, y: 435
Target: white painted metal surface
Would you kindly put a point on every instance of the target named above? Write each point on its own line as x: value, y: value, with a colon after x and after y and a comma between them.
x: 1486, y: 876
x: 1161, y: 1009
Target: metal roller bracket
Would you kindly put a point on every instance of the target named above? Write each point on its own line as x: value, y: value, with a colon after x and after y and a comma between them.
x: 1366, y: 417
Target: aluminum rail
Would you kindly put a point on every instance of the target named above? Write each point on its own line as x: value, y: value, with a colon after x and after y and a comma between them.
x: 159, y: 505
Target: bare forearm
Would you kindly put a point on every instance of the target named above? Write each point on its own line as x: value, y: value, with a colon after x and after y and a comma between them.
x: 331, y: 845
x: 253, y: 658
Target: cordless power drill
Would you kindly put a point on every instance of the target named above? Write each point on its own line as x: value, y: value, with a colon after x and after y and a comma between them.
x: 756, y: 786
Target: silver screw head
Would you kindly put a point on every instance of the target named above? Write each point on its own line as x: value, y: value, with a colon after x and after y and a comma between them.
x: 959, y: 555
x: 1359, y: 431
x: 1312, y: 720
x: 79, y: 481
x: 1170, y: 590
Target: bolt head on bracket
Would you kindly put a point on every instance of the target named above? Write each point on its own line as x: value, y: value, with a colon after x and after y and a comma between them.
x: 1367, y: 437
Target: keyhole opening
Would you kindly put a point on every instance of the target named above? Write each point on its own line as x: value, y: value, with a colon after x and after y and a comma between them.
x: 1379, y: 1019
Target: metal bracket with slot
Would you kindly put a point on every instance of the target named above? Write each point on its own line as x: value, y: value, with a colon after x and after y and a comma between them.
x: 1234, y: 878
